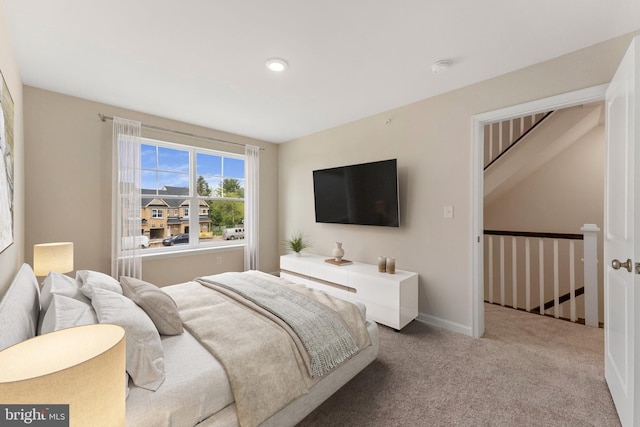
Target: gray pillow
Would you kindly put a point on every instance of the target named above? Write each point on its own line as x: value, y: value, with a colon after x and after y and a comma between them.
x: 65, y: 312
x: 89, y: 280
x: 158, y: 305
x: 60, y: 284
x: 145, y: 359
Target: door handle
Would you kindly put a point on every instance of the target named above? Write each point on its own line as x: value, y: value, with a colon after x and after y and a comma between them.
x: 616, y: 264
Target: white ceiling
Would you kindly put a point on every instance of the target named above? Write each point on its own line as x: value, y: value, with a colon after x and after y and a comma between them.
x: 203, y: 62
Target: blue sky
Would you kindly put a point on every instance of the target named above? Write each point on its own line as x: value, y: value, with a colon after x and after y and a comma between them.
x: 167, y: 166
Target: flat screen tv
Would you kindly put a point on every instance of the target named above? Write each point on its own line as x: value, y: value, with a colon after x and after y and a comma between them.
x: 365, y: 194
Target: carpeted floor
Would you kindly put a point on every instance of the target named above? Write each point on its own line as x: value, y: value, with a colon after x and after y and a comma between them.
x: 527, y: 370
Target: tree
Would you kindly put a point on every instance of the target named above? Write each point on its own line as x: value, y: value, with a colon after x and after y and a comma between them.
x: 227, y: 213
x: 229, y: 187
x: 203, y: 187
x: 214, y: 214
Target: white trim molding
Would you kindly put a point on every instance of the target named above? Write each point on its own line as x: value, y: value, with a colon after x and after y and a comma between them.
x: 442, y: 323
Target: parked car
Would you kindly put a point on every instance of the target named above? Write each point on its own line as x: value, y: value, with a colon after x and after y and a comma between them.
x: 131, y: 242
x: 233, y: 233
x: 178, y: 239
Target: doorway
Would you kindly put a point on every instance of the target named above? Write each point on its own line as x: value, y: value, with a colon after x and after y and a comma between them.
x: 584, y: 96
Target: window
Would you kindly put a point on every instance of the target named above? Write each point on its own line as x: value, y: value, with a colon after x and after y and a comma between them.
x: 184, y: 178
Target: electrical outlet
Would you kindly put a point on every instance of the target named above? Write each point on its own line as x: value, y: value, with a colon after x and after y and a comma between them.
x: 448, y: 211
x: 219, y: 260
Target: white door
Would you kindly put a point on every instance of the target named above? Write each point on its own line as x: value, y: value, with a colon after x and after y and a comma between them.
x: 622, y: 238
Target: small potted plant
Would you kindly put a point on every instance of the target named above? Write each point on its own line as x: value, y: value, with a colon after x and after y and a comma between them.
x: 296, y: 243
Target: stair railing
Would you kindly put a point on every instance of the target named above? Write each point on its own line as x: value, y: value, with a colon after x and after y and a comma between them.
x: 518, y: 268
x: 503, y: 136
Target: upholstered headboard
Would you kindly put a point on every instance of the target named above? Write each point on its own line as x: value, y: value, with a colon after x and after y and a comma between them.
x: 20, y: 308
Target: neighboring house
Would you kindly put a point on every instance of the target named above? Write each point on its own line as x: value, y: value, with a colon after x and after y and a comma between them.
x: 165, y: 215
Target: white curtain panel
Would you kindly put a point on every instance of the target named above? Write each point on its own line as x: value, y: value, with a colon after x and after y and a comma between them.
x: 251, y: 205
x: 126, y: 257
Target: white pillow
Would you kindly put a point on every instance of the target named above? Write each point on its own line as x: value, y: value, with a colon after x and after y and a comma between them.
x: 60, y: 284
x: 89, y: 280
x: 65, y: 312
x: 145, y: 359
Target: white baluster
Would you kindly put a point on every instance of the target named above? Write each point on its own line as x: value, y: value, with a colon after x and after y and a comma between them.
x: 510, y: 131
x: 514, y: 272
x: 533, y: 121
x: 527, y: 267
x: 572, y: 279
x: 541, y: 272
x: 502, y: 271
x: 490, y: 143
x: 556, y: 281
x: 490, y: 269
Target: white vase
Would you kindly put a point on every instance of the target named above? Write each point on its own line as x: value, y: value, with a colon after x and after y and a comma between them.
x: 338, y: 252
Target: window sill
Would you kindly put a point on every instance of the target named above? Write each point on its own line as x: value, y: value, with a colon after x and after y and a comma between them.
x: 192, y: 251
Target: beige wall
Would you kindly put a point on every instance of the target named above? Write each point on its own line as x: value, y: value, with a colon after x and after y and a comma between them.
x: 167, y: 271
x: 12, y: 257
x: 68, y: 163
x: 560, y: 197
x: 432, y: 141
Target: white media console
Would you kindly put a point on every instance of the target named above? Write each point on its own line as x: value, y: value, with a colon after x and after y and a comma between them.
x: 391, y: 299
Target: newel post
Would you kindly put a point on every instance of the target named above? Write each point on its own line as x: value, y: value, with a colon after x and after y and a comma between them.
x: 590, y: 233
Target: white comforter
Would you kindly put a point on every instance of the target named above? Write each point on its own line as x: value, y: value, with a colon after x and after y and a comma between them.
x: 196, y: 384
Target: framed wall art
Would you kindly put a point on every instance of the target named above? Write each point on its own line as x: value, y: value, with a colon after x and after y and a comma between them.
x: 6, y: 166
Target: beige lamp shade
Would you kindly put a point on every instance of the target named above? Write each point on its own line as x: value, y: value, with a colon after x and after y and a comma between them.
x: 83, y: 367
x: 56, y: 257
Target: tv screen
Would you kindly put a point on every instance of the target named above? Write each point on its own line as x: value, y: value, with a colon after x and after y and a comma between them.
x: 365, y: 194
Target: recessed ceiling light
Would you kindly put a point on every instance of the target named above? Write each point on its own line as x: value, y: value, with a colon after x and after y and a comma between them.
x: 440, y: 66
x: 276, y: 64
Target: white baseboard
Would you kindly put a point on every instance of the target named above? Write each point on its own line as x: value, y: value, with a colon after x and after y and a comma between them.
x: 446, y: 324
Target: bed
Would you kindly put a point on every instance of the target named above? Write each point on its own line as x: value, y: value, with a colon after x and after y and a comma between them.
x: 207, y: 367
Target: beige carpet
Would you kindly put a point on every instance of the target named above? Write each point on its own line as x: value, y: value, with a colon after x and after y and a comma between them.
x: 527, y: 370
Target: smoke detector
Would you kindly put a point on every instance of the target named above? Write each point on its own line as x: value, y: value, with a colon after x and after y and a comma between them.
x: 440, y: 66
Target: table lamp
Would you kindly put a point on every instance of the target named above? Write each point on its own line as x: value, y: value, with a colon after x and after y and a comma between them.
x: 82, y: 367
x: 56, y: 257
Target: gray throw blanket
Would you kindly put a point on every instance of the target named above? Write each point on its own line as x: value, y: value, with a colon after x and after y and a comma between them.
x: 322, y: 333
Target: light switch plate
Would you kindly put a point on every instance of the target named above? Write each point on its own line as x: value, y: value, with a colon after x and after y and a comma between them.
x: 448, y: 211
